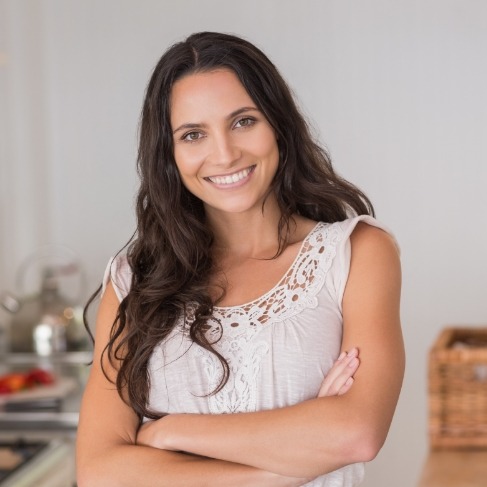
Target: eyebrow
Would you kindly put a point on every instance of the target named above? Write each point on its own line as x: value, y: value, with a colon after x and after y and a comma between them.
x: 186, y: 126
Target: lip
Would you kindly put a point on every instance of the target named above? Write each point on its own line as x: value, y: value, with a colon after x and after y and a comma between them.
x: 242, y: 178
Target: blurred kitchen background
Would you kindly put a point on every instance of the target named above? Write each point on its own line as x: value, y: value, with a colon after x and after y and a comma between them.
x: 396, y: 91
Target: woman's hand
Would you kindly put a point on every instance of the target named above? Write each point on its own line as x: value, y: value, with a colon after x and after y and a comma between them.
x: 339, y: 379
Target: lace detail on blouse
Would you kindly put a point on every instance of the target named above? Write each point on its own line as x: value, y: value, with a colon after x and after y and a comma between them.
x: 239, y: 393
x: 232, y: 329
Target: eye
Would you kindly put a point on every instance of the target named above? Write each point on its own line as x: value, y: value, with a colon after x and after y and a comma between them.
x: 245, y: 122
x: 192, y: 136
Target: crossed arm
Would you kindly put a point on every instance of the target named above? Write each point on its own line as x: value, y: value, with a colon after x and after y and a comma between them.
x: 283, y: 447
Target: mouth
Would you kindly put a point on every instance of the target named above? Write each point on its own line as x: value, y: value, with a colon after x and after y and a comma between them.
x: 231, y: 178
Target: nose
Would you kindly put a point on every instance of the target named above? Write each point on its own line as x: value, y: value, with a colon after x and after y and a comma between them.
x: 224, y: 150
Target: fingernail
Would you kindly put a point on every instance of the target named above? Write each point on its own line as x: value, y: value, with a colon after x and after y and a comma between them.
x: 353, y: 352
x: 342, y: 355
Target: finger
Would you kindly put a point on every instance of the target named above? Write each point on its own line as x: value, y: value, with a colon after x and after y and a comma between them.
x: 340, y: 371
x: 346, y: 387
x: 341, y: 379
x: 340, y: 367
x: 341, y: 363
x: 341, y: 356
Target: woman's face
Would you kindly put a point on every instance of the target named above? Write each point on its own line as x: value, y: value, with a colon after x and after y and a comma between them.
x: 225, y: 149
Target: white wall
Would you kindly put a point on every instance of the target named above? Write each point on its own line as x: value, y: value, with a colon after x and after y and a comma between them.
x: 396, y: 90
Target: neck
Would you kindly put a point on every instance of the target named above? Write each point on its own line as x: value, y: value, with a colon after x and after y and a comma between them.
x: 250, y: 234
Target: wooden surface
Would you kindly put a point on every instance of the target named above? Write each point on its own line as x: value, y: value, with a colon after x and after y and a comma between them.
x: 455, y: 468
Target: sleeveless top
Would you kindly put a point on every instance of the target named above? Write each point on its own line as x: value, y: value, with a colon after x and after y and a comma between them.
x: 279, y: 347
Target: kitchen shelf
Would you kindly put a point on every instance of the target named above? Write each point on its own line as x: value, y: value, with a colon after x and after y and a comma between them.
x: 57, y: 421
x: 74, y: 358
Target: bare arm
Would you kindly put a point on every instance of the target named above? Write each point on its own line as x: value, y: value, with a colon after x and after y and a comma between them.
x: 320, y: 435
x: 106, y: 451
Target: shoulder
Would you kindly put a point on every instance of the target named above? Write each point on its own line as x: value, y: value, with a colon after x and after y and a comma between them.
x: 362, y: 230
x: 375, y: 260
x: 368, y: 233
x: 358, y: 247
x: 372, y: 238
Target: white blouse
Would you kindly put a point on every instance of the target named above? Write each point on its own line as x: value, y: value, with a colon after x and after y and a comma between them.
x: 279, y: 347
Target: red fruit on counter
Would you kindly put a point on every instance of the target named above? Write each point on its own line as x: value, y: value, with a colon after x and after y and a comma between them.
x: 13, y: 382
x: 39, y: 376
x: 17, y: 381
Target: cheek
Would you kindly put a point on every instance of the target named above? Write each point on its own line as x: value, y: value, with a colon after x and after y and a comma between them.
x: 188, y: 161
x: 266, y: 146
x: 265, y: 141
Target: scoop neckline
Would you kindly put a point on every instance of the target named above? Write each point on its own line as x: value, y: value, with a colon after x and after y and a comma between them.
x: 281, y: 279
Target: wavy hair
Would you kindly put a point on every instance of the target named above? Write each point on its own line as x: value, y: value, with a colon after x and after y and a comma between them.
x: 170, y: 253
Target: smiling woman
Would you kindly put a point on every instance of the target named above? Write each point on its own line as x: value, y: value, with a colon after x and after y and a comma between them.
x: 252, y: 327
x: 229, y: 158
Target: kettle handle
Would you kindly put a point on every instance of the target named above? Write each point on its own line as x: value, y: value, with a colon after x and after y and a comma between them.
x: 60, y: 259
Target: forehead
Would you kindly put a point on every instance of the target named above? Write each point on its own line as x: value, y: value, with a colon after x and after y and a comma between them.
x: 207, y: 95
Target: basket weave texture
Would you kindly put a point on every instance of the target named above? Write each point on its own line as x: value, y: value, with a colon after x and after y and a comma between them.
x: 458, y: 389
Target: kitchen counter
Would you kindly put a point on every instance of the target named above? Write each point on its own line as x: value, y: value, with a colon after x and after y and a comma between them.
x: 54, y: 466
x: 69, y: 366
x: 455, y: 468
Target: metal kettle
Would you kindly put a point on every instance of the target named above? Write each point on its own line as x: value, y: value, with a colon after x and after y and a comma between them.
x: 48, y: 321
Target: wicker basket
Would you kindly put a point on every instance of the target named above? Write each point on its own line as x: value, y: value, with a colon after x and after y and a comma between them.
x: 458, y: 389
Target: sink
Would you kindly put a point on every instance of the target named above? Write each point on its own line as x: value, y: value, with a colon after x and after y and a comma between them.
x: 15, y: 455
x: 43, y: 463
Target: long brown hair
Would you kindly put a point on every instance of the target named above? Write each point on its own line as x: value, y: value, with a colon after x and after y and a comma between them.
x: 170, y: 254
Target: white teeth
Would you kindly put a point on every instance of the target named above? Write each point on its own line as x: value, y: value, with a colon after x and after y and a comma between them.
x: 233, y: 178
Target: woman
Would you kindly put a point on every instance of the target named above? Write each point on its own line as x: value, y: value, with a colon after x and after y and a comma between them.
x: 253, y: 266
